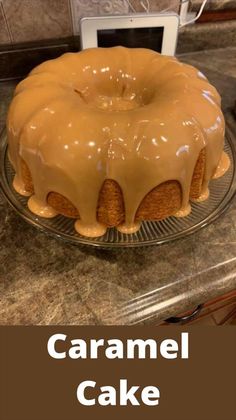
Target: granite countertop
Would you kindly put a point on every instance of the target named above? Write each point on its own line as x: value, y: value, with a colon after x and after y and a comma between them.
x: 213, y: 4
x: 47, y: 281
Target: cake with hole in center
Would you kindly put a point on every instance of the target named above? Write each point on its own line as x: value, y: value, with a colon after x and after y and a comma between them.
x: 115, y: 136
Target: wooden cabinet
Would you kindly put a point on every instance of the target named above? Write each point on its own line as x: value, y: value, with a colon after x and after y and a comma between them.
x: 219, y: 311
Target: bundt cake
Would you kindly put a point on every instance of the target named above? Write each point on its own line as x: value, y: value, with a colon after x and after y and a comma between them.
x: 115, y: 136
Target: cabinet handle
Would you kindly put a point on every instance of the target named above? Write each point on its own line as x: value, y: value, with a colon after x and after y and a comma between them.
x: 185, y: 318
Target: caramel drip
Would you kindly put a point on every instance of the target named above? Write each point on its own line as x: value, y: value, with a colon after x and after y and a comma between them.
x: 40, y: 209
x: 184, y: 211
x: 223, y: 166
x: 129, y: 115
x: 203, y: 196
x: 129, y: 228
x: 19, y: 186
x: 94, y: 230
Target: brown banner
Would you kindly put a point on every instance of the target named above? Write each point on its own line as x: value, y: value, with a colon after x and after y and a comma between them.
x: 36, y: 386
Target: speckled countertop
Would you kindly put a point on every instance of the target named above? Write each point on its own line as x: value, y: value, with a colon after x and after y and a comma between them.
x: 46, y: 281
x: 213, y: 4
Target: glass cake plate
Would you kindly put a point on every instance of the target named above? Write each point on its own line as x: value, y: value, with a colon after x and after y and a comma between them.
x: 222, y: 191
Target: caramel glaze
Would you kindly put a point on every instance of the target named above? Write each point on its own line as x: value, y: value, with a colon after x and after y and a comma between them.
x: 130, y: 115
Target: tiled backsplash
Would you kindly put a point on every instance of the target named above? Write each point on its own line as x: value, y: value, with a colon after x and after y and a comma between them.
x: 31, y: 20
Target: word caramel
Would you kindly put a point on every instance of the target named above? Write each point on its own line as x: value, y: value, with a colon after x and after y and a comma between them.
x: 88, y: 393
x: 116, y: 348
